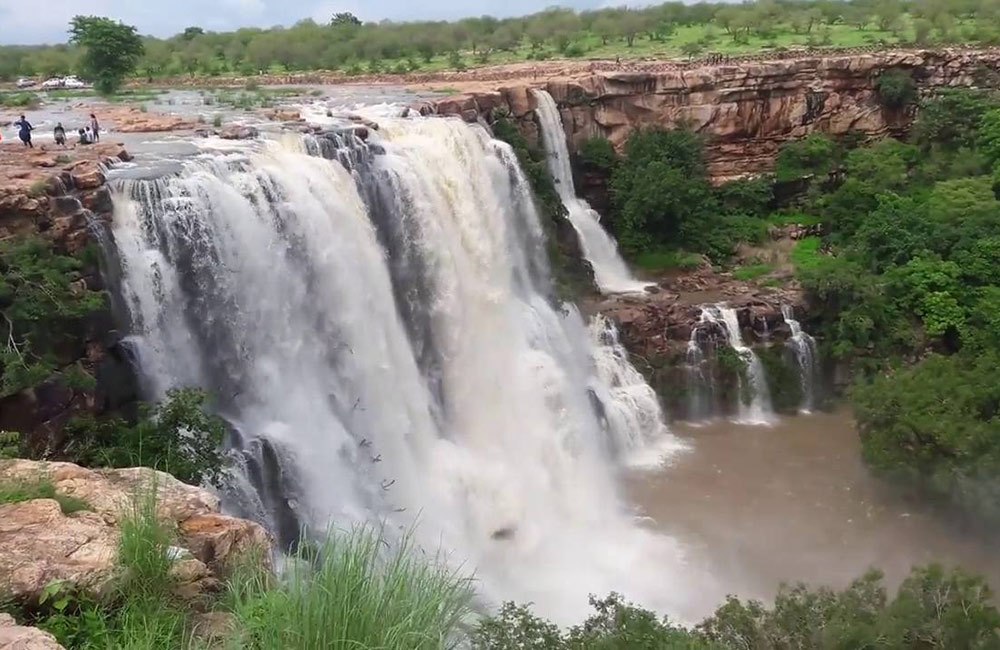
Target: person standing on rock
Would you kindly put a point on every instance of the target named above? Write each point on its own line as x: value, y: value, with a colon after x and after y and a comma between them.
x: 24, y: 132
x: 59, y: 135
x: 95, y: 128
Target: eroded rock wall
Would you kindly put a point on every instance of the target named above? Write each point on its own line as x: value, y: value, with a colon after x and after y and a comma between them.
x: 746, y: 110
x: 59, y: 195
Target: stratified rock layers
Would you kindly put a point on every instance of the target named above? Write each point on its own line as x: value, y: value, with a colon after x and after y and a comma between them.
x: 746, y: 110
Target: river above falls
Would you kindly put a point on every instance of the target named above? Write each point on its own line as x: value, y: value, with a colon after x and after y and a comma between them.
x: 758, y: 506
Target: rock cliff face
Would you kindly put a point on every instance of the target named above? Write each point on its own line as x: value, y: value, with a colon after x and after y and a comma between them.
x: 746, y: 110
x: 60, y: 196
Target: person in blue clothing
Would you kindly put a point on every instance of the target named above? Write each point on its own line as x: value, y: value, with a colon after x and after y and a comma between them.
x: 24, y: 132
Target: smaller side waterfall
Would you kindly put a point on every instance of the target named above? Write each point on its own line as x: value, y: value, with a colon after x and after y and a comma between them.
x: 804, y: 348
x: 723, y: 321
x: 610, y: 271
x: 700, y: 382
x: 630, y: 408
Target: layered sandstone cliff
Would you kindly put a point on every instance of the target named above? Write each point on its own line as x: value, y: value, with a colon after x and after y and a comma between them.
x: 746, y: 110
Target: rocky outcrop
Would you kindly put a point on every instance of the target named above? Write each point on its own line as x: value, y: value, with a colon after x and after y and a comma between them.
x: 17, y: 637
x: 746, y: 110
x: 60, y: 195
x: 42, y: 544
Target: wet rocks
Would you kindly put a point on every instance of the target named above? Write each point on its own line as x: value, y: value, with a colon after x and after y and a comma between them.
x: 238, y: 132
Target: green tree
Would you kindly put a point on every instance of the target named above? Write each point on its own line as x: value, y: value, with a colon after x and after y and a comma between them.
x: 896, y: 88
x: 178, y: 436
x: 111, y: 50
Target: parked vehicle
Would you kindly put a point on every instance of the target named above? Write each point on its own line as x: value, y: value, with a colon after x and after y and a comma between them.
x: 54, y: 82
x: 73, y: 82
x: 25, y: 83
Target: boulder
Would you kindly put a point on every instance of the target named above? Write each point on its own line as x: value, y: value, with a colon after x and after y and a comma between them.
x: 18, y: 637
x: 40, y: 545
x: 89, y: 179
x: 216, y: 539
x: 238, y: 132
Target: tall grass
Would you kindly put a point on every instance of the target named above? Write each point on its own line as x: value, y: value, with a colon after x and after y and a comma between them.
x: 357, y: 590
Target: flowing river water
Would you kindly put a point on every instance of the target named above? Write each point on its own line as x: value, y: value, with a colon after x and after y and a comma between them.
x: 758, y: 506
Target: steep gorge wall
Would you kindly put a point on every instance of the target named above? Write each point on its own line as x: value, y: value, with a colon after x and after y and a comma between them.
x: 746, y: 110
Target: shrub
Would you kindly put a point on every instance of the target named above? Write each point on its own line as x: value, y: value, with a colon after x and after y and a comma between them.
x: 598, y: 153
x: 814, y: 155
x: 177, y: 436
x: 40, y: 311
x: 896, y: 88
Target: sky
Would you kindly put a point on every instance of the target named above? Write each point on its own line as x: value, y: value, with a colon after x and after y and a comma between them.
x: 24, y: 22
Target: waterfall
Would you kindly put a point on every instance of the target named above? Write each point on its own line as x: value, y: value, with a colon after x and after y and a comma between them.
x: 804, y: 348
x: 610, y: 271
x: 700, y: 384
x: 380, y: 335
x: 756, y: 410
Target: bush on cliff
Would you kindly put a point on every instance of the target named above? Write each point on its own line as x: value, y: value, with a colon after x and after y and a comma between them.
x: 43, y: 308
x: 178, y: 436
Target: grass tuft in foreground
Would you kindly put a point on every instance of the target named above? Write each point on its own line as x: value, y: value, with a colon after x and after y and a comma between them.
x: 356, y: 590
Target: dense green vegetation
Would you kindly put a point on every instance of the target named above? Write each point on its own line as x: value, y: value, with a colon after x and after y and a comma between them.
x: 906, y: 290
x: 662, y: 200
x: 931, y: 609
x: 42, y: 314
x: 178, y: 436
x: 671, y: 29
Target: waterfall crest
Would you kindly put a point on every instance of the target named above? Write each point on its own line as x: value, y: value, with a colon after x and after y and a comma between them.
x: 803, y: 346
x: 610, y: 271
x: 379, y: 333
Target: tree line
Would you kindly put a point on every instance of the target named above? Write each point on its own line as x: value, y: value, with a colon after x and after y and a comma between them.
x: 346, y: 43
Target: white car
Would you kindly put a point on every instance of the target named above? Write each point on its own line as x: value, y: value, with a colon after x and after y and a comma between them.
x: 25, y: 83
x: 54, y: 82
x: 73, y: 82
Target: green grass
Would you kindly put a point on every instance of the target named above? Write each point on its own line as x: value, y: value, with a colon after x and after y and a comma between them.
x: 806, y: 254
x: 793, y: 219
x: 751, y: 273
x: 356, y: 590
x: 40, y: 488
x: 19, y: 100
x: 662, y: 260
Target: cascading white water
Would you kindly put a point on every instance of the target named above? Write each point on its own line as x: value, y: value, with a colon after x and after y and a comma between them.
x: 700, y: 388
x: 804, y: 347
x: 610, y: 271
x: 383, y: 339
x: 758, y: 410
x: 630, y: 405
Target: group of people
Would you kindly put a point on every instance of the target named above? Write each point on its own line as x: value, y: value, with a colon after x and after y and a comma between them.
x: 88, y: 135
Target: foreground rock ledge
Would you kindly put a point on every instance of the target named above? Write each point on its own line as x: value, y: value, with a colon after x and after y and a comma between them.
x: 16, y: 637
x: 41, y: 544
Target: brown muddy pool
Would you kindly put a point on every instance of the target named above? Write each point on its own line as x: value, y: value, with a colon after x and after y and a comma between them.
x: 756, y: 506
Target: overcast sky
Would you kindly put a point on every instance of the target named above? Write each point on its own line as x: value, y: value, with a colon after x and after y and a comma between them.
x: 45, y: 21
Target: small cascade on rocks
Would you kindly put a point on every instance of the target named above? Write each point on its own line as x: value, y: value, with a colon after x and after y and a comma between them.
x: 610, y: 271
x: 754, y: 399
x: 700, y: 382
x: 631, y: 409
x: 804, y: 348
